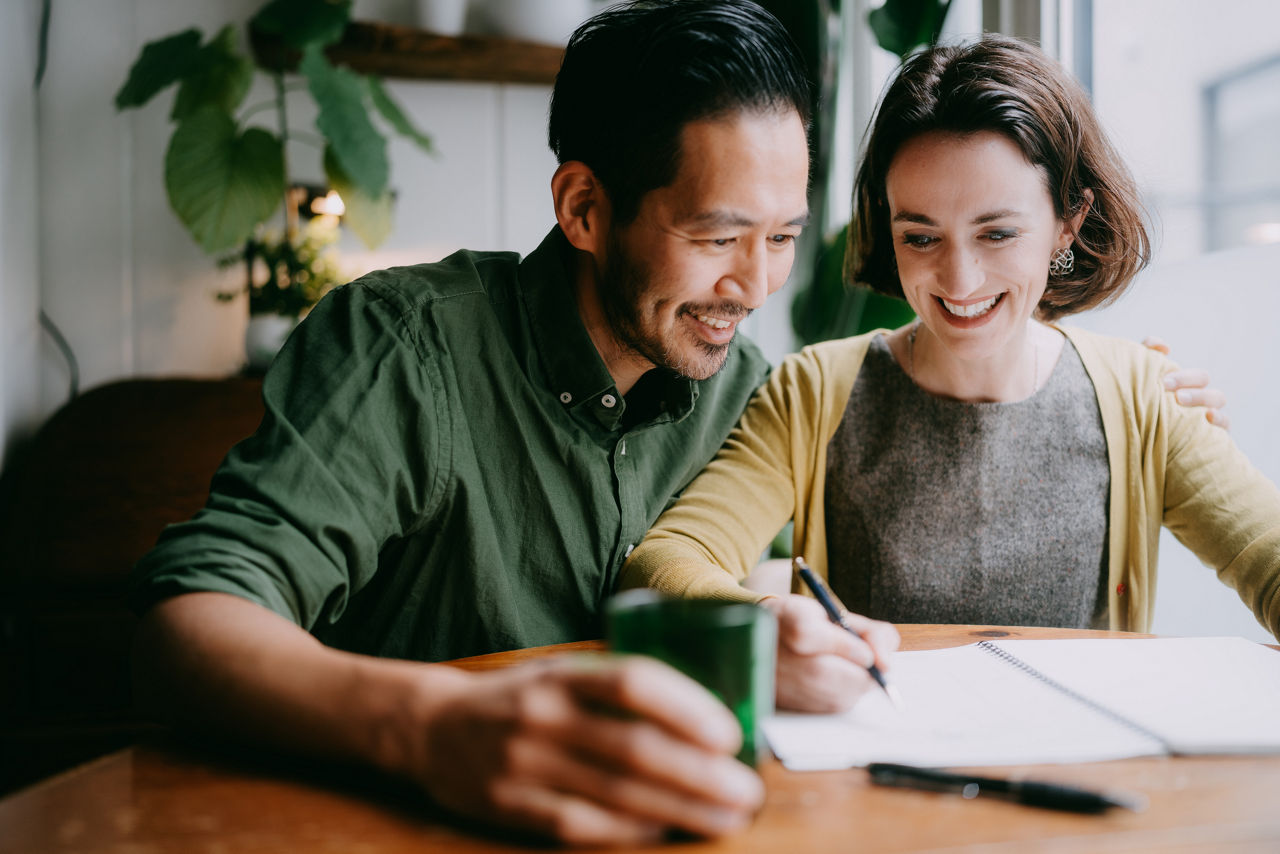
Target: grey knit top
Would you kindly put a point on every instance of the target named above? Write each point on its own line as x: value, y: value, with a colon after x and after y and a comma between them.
x: 941, y: 511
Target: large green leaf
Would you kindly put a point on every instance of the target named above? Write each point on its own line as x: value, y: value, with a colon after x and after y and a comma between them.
x: 161, y: 63
x: 369, y: 217
x: 830, y: 308
x: 300, y: 23
x: 395, y: 117
x: 901, y: 26
x: 343, y: 119
x: 220, y: 77
x: 221, y: 182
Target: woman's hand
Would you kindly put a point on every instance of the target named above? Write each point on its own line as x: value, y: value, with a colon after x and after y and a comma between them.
x: 822, y: 667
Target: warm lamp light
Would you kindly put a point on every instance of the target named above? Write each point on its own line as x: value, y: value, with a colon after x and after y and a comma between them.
x: 330, y: 204
x: 312, y: 200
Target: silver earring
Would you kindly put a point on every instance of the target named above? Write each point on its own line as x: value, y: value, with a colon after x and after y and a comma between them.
x: 1064, y: 261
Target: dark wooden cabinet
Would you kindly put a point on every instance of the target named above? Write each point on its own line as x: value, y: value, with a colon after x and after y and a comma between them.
x: 79, y: 505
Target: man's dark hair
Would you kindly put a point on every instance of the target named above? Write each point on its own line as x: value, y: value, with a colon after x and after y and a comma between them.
x: 636, y: 74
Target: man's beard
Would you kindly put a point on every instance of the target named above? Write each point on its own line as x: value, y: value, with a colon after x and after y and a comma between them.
x: 623, y: 286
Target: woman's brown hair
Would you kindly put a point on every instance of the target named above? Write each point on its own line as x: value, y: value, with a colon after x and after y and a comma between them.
x: 1009, y: 87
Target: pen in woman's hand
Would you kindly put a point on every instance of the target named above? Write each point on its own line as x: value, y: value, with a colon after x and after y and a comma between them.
x: 838, y: 615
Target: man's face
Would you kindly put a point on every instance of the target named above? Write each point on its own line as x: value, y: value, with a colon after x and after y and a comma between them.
x: 706, y: 250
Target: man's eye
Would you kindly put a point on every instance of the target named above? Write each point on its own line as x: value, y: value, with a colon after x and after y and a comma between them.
x: 720, y: 241
x: 781, y: 239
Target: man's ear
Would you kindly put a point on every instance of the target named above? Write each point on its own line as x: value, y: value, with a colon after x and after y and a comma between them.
x: 582, y: 206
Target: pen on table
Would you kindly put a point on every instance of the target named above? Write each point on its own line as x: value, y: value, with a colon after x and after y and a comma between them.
x: 839, y: 616
x: 1029, y: 792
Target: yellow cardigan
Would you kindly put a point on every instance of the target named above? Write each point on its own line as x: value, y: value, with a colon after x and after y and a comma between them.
x: 1168, y: 466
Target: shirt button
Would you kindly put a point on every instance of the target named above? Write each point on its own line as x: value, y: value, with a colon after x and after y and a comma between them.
x: 565, y: 397
x: 609, y: 401
x: 1122, y: 589
x: 630, y: 548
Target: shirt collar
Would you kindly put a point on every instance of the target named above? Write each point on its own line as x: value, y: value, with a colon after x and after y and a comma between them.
x: 578, y: 376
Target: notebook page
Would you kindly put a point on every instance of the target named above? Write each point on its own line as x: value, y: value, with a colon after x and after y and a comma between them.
x: 1201, y: 695
x: 961, y: 706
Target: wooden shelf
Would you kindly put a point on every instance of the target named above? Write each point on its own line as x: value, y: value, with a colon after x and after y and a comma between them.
x: 403, y: 52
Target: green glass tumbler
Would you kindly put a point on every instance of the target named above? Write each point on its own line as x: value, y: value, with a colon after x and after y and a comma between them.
x: 728, y: 647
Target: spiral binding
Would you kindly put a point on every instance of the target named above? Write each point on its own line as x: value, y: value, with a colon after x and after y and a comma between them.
x: 1013, y: 660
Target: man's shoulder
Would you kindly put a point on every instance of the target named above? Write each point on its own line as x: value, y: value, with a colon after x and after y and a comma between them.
x: 487, y: 275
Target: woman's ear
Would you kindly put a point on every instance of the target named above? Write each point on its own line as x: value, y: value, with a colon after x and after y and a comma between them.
x: 1071, y: 225
x: 582, y: 206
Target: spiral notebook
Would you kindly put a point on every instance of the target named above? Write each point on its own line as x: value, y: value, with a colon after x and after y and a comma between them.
x: 1050, y: 701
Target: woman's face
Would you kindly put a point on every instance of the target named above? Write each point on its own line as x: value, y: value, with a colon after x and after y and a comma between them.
x: 973, y: 231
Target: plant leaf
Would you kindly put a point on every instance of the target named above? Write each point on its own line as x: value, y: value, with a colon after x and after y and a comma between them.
x: 344, y: 121
x: 221, y: 182
x: 300, y: 23
x: 395, y: 117
x: 369, y: 217
x: 161, y: 63
x: 220, y: 76
x: 901, y: 26
x: 830, y: 308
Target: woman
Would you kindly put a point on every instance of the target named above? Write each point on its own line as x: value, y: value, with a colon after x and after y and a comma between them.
x: 982, y: 465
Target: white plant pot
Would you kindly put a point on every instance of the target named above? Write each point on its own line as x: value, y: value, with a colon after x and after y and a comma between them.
x: 264, y: 336
x: 445, y: 17
x: 546, y: 21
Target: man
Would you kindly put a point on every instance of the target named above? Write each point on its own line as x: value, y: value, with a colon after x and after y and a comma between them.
x: 456, y: 458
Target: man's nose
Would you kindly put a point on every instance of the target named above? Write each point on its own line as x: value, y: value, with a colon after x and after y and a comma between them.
x: 748, y: 281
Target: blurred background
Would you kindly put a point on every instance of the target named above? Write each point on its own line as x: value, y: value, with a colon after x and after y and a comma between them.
x: 101, y: 282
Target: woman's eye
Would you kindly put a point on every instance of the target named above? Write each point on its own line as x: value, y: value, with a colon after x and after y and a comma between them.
x: 918, y: 239
x: 999, y: 236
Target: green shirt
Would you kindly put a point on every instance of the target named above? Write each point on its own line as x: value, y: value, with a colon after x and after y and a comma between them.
x: 445, y: 467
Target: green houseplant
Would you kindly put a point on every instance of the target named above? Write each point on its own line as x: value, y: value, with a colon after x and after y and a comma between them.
x: 826, y: 306
x: 226, y: 171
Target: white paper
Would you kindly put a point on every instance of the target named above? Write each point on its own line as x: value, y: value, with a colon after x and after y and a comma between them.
x: 966, y: 706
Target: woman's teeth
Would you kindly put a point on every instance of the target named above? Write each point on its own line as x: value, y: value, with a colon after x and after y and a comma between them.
x: 971, y: 310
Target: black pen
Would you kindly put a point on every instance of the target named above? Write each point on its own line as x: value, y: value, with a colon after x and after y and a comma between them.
x: 839, y: 616
x: 1030, y: 792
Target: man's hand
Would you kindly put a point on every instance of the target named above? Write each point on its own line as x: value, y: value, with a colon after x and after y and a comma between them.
x: 589, y: 751
x: 1191, y: 388
x: 822, y: 667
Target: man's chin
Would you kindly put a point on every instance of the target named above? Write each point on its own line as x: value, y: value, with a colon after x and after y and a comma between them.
x: 703, y: 364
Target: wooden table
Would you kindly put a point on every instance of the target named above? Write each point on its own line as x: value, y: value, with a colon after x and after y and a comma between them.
x: 159, y: 798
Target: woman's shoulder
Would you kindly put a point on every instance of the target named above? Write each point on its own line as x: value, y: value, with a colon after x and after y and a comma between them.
x: 1119, y: 356
x: 819, y: 377
x: 834, y: 357
x: 1126, y: 375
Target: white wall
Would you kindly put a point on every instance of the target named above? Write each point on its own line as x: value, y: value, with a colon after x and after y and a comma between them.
x: 132, y: 291
x: 19, y: 287
x: 1151, y: 60
x: 1216, y: 310
x: 129, y: 287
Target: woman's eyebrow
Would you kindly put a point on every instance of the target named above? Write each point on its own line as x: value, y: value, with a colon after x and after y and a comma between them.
x: 921, y: 219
